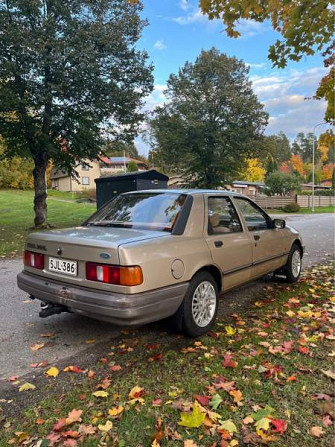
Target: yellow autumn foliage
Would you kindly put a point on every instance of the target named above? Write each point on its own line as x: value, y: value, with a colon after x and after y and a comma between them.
x: 254, y: 171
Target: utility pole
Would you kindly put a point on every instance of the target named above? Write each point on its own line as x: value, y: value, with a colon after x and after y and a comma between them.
x: 313, y: 163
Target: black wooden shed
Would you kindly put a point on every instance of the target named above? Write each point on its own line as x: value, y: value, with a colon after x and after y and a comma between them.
x: 108, y: 187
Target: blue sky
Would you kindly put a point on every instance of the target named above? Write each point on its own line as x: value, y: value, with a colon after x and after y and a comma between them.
x: 177, y: 32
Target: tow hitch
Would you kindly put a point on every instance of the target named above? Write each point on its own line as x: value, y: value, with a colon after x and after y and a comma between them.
x: 51, y: 309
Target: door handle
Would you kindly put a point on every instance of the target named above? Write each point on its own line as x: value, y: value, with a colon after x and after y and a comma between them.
x: 218, y: 244
x: 257, y: 237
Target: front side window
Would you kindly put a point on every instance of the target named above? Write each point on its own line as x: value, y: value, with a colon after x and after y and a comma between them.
x: 156, y: 211
x: 85, y: 180
x: 222, y: 216
x: 254, y: 217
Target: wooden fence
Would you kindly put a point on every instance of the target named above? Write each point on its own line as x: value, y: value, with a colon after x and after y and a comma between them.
x: 303, y: 201
x: 306, y: 201
x: 273, y: 201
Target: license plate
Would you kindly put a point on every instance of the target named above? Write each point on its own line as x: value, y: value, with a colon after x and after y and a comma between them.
x: 63, y: 266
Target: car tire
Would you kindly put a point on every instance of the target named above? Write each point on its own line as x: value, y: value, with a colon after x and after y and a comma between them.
x: 293, y: 266
x: 198, y: 311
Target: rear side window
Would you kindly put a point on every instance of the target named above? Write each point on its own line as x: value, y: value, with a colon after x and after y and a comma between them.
x: 222, y: 216
x: 253, y: 216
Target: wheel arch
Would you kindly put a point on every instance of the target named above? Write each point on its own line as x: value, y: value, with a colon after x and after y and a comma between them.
x: 215, y: 272
x: 299, y: 244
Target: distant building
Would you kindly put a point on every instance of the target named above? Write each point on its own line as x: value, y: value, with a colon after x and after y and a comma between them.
x: 252, y: 189
x: 88, y: 171
x: 113, y: 165
x: 248, y: 188
x: 108, y: 187
x: 325, y: 184
x: 176, y: 182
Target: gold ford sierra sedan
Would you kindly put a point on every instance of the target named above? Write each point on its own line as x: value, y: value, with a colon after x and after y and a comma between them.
x: 149, y: 255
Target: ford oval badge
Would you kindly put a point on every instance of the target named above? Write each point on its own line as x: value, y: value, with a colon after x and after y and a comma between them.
x: 105, y: 255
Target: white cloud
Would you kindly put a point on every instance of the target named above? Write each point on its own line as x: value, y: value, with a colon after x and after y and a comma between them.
x: 160, y: 45
x: 264, y: 80
x: 141, y: 146
x: 284, y: 102
x: 250, y: 28
x: 281, y: 83
x: 155, y: 98
x: 192, y: 17
x: 284, y: 97
x: 184, y: 5
x: 301, y: 116
x: 247, y: 28
x: 256, y: 66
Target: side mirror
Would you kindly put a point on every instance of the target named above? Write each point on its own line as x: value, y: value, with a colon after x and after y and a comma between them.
x: 279, y: 223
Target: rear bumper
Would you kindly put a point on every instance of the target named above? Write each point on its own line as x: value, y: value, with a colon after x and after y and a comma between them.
x: 117, y: 308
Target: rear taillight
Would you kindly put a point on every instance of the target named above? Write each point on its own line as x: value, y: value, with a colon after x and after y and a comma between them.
x: 32, y: 259
x: 111, y: 274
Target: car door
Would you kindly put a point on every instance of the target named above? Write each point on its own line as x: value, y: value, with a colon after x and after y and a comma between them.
x: 268, y: 242
x: 229, y: 243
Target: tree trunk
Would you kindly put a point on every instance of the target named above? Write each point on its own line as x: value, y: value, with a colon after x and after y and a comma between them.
x: 210, y: 170
x: 209, y: 178
x: 40, y: 187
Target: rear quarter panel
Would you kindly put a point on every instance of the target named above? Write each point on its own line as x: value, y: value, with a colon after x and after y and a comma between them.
x: 157, y: 256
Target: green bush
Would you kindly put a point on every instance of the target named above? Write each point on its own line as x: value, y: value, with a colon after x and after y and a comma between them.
x: 318, y: 192
x: 291, y: 208
x: 16, y: 174
x: 132, y: 166
x: 324, y: 192
x: 88, y: 195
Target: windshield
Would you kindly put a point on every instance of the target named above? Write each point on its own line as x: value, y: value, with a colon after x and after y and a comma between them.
x: 155, y: 211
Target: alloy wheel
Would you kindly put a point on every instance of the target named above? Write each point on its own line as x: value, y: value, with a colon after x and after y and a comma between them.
x: 203, y: 304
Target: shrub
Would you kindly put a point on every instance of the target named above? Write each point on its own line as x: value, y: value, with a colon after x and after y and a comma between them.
x: 132, y: 166
x: 318, y: 192
x: 16, y: 173
x: 291, y: 208
x: 324, y: 192
x: 88, y: 195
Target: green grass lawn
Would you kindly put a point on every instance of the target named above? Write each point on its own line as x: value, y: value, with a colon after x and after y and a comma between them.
x: 262, y: 377
x: 317, y: 210
x: 17, y: 216
x: 72, y: 196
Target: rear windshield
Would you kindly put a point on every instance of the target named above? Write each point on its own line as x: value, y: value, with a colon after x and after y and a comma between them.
x: 155, y: 211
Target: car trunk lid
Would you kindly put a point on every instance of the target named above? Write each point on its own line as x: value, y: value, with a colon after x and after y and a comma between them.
x: 83, y: 244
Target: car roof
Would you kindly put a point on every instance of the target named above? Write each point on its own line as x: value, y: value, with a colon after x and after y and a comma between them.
x: 188, y: 191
